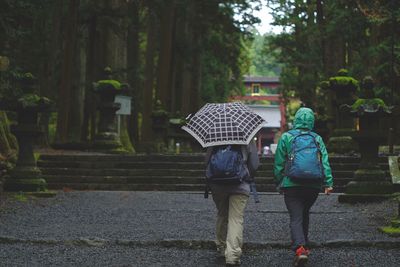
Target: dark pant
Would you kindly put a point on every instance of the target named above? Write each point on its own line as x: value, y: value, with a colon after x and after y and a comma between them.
x: 298, y: 201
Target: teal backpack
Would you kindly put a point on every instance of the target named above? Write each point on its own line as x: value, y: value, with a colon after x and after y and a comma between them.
x: 304, y: 160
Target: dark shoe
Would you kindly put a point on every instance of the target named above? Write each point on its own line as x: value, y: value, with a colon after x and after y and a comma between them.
x: 221, y: 251
x: 236, y: 263
x: 232, y: 264
x: 301, y: 257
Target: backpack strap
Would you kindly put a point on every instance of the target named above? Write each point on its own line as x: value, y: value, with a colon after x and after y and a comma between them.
x: 315, y: 139
x: 295, y: 133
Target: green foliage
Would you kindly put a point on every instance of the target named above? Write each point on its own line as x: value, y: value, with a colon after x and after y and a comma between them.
x: 224, y: 57
x: 25, y: 26
x: 262, y: 61
x: 358, y: 35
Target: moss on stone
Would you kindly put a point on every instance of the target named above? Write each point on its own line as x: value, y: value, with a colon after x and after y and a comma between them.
x: 369, y: 103
x: 125, y: 141
x: 324, y: 85
x: 32, y: 100
x: 342, y: 145
x: 105, y: 83
x: 28, y: 75
x: 395, y: 223
x: 20, y: 196
x: 343, y: 72
x: 343, y: 81
x: 159, y: 110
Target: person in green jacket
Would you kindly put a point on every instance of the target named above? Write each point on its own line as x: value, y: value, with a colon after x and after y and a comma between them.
x: 299, y: 197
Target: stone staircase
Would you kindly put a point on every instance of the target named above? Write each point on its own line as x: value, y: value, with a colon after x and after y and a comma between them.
x: 184, y: 172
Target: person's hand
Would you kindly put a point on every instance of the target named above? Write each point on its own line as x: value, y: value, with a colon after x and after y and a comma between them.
x: 328, y: 190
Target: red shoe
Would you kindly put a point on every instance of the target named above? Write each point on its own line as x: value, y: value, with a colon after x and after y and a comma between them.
x: 301, y: 257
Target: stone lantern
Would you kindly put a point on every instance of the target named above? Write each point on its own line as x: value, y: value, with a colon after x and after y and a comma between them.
x: 343, y: 89
x: 26, y: 176
x: 369, y: 181
x: 107, y: 138
x: 178, y: 140
x: 160, y: 123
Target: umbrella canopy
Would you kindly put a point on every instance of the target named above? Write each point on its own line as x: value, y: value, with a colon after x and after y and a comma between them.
x: 224, y: 124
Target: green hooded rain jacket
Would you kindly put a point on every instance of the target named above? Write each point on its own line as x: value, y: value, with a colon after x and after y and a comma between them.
x: 303, y: 120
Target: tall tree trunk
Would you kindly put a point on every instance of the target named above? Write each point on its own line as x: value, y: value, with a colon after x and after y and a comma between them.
x: 321, y: 27
x: 148, y: 88
x: 89, y: 117
x: 64, y: 101
x: 49, y: 77
x: 197, y: 76
x: 165, y: 58
x: 133, y: 63
x: 78, y: 94
x: 187, y: 73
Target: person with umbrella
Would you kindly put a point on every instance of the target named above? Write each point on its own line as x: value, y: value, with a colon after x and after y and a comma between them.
x: 228, y: 129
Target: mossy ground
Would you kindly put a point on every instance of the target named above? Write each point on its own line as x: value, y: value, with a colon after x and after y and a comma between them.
x: 390, y: 230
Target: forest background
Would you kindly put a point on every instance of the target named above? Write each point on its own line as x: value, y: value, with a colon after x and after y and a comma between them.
x: 186, y: 53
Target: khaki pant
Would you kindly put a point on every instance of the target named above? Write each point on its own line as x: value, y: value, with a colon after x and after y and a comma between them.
x: 229, y: 228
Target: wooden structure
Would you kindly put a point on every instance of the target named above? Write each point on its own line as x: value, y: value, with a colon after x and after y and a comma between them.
x: 262, y: 95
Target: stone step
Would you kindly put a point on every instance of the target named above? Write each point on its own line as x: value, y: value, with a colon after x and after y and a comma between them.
x: 129, y: 158
x: 51, y: 180
x: 151, y: 187
x: 172, y: 158
x: 127, y: 187
x: 153, y: 183
x: 163, y: 165
x: 152, y: 179
x: 159, y: 172
x: 166, y: 165
x: 121, y: 165
x: 136, y: 179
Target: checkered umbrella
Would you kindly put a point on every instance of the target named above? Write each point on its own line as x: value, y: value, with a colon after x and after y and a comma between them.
x: 224, y: 124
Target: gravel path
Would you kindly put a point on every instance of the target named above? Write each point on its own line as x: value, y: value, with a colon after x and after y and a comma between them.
x: 177, y: 229
x: 43, y: 255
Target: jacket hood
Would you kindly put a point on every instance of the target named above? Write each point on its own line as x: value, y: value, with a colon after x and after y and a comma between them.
x: 304, y: 119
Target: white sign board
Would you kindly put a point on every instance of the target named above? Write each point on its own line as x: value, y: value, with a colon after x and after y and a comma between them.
x: 125, y: 102
x: 271, y: 114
